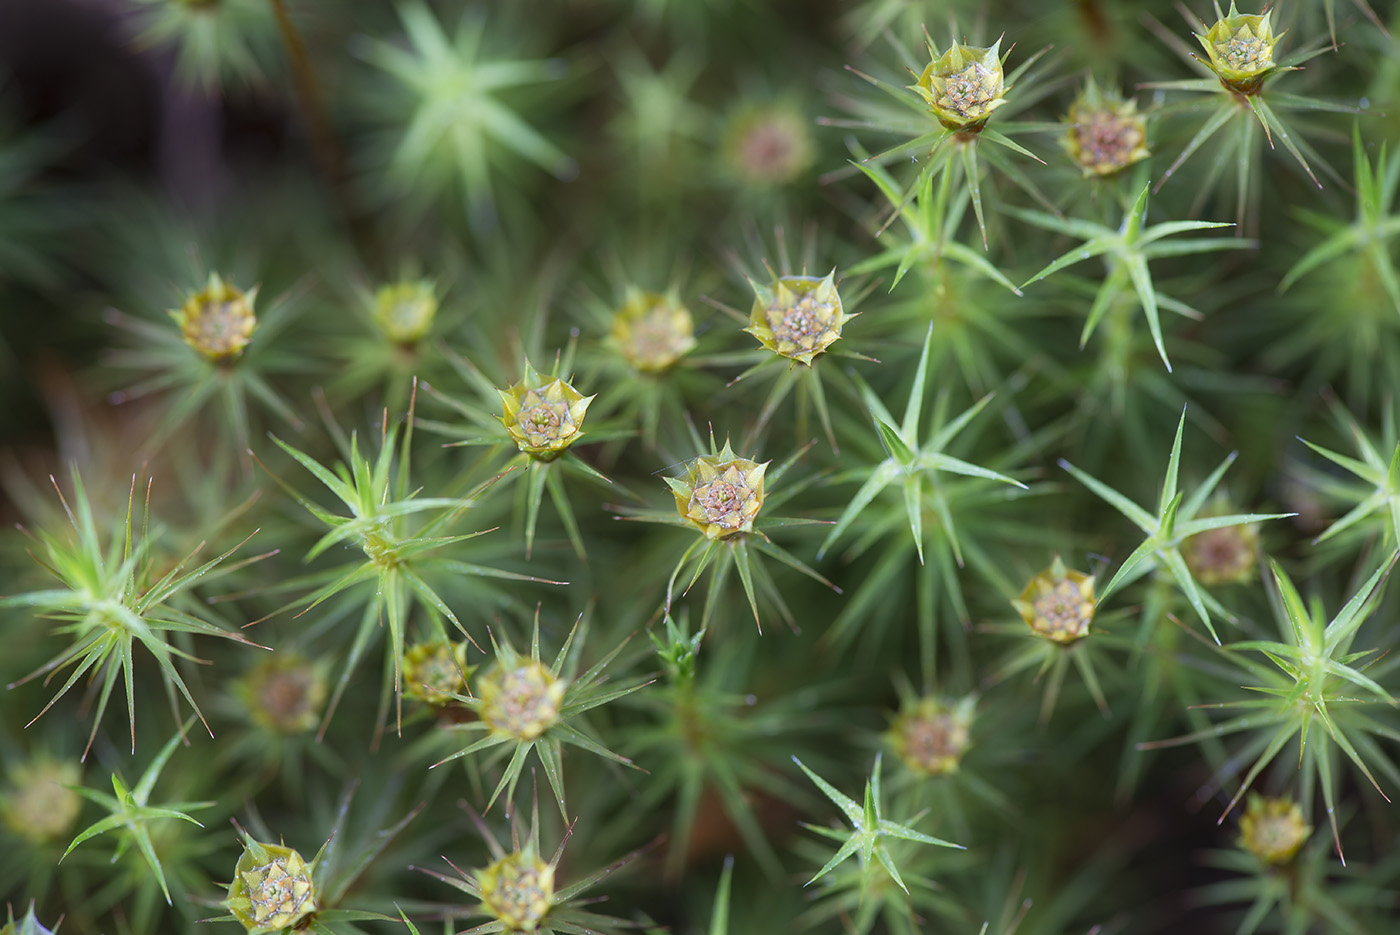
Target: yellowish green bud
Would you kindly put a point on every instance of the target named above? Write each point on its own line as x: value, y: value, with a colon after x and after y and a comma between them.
x: 1229, y: 555
x: 797, y: 316
x: 405, y: 310
x: 768, y: 145
x: 544, y: 415
x: 721, y: 494
x: 432, y: 670
x: 653, y: 331
x: 517, y: 890
x: 963, y: 85
x: 1104, y: 133
x: 283, y: 693
x: 520, y: 702
x: 1058, y: 604
x: 1273, y: 829
x: 218, y: 320
x: 1241, y: 50
x: 272, y: 889
x: 37, y: 804
x: 931, y: 735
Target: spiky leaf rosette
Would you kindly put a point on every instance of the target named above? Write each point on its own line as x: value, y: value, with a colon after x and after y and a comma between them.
x: 1315, y: 687
x: 518, y: 700
x: 114, y: 596
x: 1178, y: 519
x: 405, y: 557
x: 517, y: 890
x: 720, y: 495
x: 870, y: 832
x: 130, y: 814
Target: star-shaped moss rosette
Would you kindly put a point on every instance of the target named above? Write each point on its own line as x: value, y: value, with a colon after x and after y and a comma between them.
x: 707, y: 739
x: 1370, y: 496
x: 523, y: 705
x: 1341, y: 320
x: 870, y: 833
x: 399, y: 320
x: 644, y: 363
x: 405, y: 555
x: 111, y: 598
x: 961, y: 89
x: 1127, y: 252
x: 1280, y: 877
x: 130, y: 814
x: 1057, y: 609
x: 936, y: 489
x: 1177, y: 520
x: 275, y: 889
x: 796, y: 319
x: 517, y: 890
x: 1316, y: 686
x: 1239, y: 64
x: 447, y: 103
x: 963, y: 85
x: 721, y: 495
x: 215, y: 348
x: 543, y: 418
x: 218, y: 44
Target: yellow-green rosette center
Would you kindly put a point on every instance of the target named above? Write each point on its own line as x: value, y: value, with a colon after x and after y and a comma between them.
x: 1273, y: 829
x: 721, y: 495
x: 521, y: 702
x: 1058, y: 604
x: 797, y: 317
x: 518, y: 891
x: 272, y: 889
x: 218, y: 320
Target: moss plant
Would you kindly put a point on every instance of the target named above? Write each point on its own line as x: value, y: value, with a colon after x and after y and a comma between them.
x: 699, y: 412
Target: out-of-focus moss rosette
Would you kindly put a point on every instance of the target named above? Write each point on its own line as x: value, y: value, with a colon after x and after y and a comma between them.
x: 720, y: 494
x: 435, y: 670
x: 797, y: 317
x: 768, y: 144
x: 37, y: 803
x: 517, y: 890
x: 1103, y: 132
x: 1058, y: 604
x: 544, y: 415
x: 283, y: 693
x: 405, y: 310
x: 1228, y: 555
x: 272, y: 888
x: 1241, y: 50
x: 1273, y: 829
x: 963, y: 85
x: 218, y: 320
x: 652, y: 330
x: 930, y: 735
